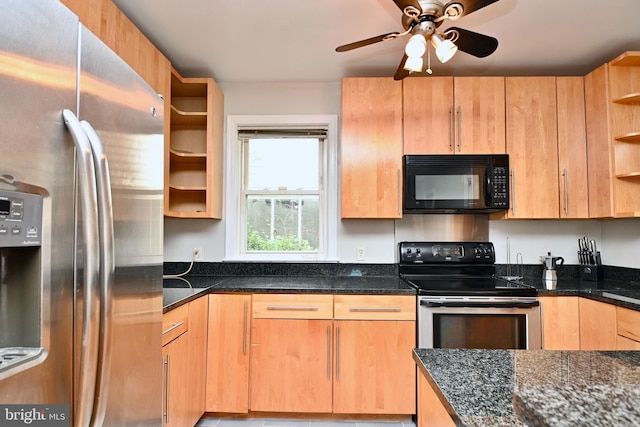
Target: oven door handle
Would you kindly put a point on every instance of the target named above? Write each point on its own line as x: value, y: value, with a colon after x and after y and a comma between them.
x: 487, y: 304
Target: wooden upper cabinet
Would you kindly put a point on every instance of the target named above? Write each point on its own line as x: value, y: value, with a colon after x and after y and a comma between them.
x: 532, y: 145
x: 111, y: 25
x: 600, y: 173
x: 427, y: 109
x: 480, y: 115
x: 371, y: 148
x: 572, y: 148
x: 447, y: 115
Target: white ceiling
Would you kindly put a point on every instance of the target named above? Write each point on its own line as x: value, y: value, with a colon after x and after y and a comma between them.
x: 295, y: 40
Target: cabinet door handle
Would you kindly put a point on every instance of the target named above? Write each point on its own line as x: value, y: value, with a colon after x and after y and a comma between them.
x: 164, y: 390
x: 329, y: 352
x: 452, y: 132
x: 168, y: 395
x: 375, y: 309
x: 459, y: 128
x: 173, y: 326
x: 244, y: 329
x: 565, y: 175
x: 293, y: 307
x: 400, y: 192
x: 337, y: 352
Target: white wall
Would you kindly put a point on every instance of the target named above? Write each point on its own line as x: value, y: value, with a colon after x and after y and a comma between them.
x: 619, y: 240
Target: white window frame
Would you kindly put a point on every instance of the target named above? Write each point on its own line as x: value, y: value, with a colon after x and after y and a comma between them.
x: 234, y: 177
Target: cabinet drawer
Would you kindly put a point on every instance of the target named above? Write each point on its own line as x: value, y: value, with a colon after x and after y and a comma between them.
x: 292, y: 306
x: 628, y: 323
x: 175, y: 323
x: 375, y: 307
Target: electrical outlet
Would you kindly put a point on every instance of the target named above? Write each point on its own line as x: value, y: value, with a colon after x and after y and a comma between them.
x: 360, y: 254
x: 197, y: 254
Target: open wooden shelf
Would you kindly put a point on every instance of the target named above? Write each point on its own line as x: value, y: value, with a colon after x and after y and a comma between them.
x: 633, y: 137
x: 628, y: 215
x: 631, y: 99
x: 629, y: 175
x: 627, y: 59
x: 188, y: 118
x: 193, y: 167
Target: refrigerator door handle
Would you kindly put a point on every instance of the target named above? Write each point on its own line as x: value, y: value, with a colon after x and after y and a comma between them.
x: 90, y: 285
x: 107, y: 269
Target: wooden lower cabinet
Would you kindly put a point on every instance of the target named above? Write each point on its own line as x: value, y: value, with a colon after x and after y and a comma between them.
x: 197, y: 359
x: 627, y: 328
x: 341, y: 354
x: 176, y: 396
x: 374, y: 370
x: 597, y: 325
x: 227, y: 379
x: 291, y: 365
x: 560, y: 322
x: 431, y: 412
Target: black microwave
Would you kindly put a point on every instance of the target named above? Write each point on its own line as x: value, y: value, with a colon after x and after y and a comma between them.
x: 460, y: 183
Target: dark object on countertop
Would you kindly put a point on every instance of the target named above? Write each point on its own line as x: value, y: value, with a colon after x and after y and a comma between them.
x: 590, y: 262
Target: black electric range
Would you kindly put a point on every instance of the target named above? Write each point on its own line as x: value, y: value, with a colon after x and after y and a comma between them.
x: 456, y: 269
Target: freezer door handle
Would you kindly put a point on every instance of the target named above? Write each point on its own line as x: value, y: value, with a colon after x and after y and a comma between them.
x: 107, y: 269
x: 90, y: 286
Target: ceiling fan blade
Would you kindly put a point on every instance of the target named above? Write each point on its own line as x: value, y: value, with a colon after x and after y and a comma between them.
x: 401, y: 73
x: 402, y: 4
x: 470, y: 5
x: 475, y: 44
x: 366, y: 42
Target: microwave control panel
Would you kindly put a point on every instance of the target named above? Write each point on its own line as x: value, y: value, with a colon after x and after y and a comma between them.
x: 500, y: 186
x: 20, y: 219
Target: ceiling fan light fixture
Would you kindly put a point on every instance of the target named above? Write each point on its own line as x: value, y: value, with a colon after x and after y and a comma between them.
x: 445, y: 49
x: 416, y: 46
x: 413, y: 64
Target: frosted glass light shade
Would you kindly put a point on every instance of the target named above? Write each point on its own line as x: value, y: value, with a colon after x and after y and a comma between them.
x: 416, y: 46
x: 413, y: 64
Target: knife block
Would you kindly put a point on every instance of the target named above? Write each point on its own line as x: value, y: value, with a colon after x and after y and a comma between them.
x: 591, y: 272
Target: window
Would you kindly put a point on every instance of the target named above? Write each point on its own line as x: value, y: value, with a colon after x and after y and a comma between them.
x: 282, y: 188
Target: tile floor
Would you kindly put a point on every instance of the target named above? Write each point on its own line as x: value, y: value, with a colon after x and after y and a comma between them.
x: 273, y: 422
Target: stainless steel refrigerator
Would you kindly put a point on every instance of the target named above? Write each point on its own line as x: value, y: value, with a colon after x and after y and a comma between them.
x: 81, y: 225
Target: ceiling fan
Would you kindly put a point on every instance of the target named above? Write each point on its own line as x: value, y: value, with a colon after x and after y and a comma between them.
x: 421, y: 19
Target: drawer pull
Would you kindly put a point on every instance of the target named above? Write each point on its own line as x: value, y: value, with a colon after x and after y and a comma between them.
x: 374, y: 309
x: 174, y: 326
x: 292, y: 307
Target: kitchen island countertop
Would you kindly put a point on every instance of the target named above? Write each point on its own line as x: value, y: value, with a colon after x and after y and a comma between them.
x: 534, y: 387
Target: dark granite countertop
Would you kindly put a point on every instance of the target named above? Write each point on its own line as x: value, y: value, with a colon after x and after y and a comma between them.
x: 177, y: 291
x: 621, y: 293
x: 535, y: 387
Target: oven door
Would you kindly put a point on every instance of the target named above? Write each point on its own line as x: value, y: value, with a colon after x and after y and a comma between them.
x: 479, y: 322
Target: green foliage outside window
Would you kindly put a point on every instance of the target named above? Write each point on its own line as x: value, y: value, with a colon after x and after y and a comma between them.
x: 256, y: 242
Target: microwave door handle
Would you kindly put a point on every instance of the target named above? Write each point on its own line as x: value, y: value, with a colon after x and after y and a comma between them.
x: 487, y: 304
x: 487, y: 189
